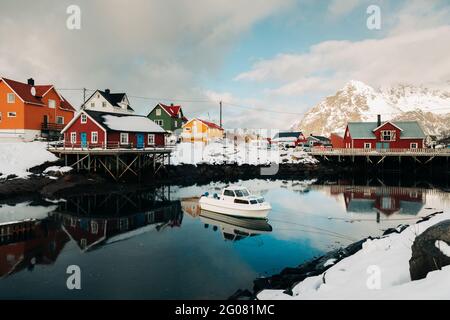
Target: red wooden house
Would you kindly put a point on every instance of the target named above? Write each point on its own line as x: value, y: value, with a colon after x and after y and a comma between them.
x: 386, y: 135
x: 98, y: 129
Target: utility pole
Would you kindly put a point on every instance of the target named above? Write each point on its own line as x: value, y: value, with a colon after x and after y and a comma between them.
x: 220, y: 103
x: 84, y: 97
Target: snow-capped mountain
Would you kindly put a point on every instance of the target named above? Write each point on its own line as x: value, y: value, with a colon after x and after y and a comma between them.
x: 360, y: 102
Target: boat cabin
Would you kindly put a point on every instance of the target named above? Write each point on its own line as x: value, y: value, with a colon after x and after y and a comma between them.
x: 240, y: 195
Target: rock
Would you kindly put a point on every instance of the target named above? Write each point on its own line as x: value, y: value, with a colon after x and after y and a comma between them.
x: 426, y: 256
x: 399, y: 229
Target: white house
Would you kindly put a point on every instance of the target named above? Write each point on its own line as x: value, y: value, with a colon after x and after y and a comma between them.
x: 105, y: 101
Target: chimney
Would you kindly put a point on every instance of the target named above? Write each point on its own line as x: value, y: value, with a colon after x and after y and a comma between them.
x: 378, y: 120
x: 30, y: 82
x: 107, y: 91
x: 171, y: 104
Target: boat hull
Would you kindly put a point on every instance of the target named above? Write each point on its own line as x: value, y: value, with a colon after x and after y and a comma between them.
x: 236, y: 210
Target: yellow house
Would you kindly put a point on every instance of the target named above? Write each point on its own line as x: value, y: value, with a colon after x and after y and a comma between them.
x: 197, y: 130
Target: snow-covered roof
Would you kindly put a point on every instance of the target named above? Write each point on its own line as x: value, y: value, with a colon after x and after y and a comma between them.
x: 124, y: 122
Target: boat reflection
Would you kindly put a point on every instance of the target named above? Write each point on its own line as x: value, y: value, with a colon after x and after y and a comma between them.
x: 234, y: 228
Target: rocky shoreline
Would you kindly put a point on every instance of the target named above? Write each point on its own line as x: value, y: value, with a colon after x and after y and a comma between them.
x: 289, y: 277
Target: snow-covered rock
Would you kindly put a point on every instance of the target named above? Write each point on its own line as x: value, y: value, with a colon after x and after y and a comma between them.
x: 16, y: 158
x: 380, y: 270
x: 223, y: 152
x: 360, y: 102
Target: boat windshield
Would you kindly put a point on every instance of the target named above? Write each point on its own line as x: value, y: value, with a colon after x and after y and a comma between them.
x: 241, y: 193
x: 260, y: 200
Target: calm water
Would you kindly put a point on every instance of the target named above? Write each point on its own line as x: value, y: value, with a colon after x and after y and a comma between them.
x: 158, y: 244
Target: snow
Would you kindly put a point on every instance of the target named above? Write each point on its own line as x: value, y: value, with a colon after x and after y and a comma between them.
x: 380, y: 270
x: 22, y: 212
x: 223, y: 152
x: 329, y: 262
x: 443, y: 246
x: 131, y: 124
x: 18, y: 157
x: 57, y: 169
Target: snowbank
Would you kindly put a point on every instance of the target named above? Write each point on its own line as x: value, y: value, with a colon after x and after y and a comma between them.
x: 244, y: 153
x: 17, y: 157
x: 131, y: 124
x: 58, y: 169
x: 356, y: 277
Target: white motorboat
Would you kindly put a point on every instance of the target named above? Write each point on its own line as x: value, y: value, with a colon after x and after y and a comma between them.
x: 236, y: 201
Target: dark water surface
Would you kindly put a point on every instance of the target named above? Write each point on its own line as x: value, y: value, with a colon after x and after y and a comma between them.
x: 158, y: 244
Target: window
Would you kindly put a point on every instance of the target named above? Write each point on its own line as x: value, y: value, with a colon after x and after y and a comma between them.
x: 94, y: 227
x: 228, y: 193
x: 73, y: 137
x: 123, y: 138
x: 0, y: 116
x: 11, y: 98
x: 94, y: 137
x: 83, y: 243
x: 60, y: 120
x: 367, y: 145
x: 187, y: 129
x: 11, y: 114
x: 413, y: 145
x: 159, y: 122
x: 176, y: 123
x: 388, y: 135
x: 92, y: 104
x: 158, y: 112
x: 51, y: 104
x: 83, y: 118
x: 151, y: 139
x: 104, y: 104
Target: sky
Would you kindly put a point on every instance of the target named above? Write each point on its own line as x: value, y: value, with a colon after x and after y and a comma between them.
x: 268, y: 61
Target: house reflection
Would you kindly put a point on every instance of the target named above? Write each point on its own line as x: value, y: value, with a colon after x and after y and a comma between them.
x: 24, y: 244
x: 381, y: 199
x: 99, y: 219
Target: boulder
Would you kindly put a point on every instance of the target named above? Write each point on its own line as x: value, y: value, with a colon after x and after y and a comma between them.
x: 426, y: 254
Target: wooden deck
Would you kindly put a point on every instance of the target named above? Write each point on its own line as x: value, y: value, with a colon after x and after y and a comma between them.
x: 110, y: 149
x: 381, y: 152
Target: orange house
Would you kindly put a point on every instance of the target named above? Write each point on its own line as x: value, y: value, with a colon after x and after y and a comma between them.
x: 29, y: 111
x: 197, y: 130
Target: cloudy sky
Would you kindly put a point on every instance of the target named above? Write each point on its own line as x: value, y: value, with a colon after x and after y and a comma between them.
x: 268, y: 61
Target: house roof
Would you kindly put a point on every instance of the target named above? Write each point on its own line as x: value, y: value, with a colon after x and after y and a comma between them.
x: 320, y: 138
x: 288, y: 134
x: 23, y: 90
x: 411, y: 129
x: 211, y: 124
x: 171, y: 110
x: 114, y: 98
x: 123, y: 122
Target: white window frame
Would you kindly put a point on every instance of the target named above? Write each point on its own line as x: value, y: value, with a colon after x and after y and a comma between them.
x: 151, y: 139
x: 73, y: 137
x: 83, y: 118
x: 176, y: 123
x: 392, y: 135
x: 60, y: 117
x: 94, y: 227
x: 92, y: 104
x: 51, y: 103
x: 159, y: 122
x: 414, y: 143
x: 104, y: 105
x: 10, y: 98
x: 367, y: 145
x: 94, y: 134
x: 12, y: 114
x: 158, y: 112
x: 124, y: 141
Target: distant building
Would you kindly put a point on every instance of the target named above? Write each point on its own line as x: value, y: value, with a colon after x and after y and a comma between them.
x: 197, y: 130
x: 170, y: 118
x: 105, y: 101
x: 315, y: 141
x: 384, y: 135
x: 29, y: 111
x: 337, y: 141
x: 289, y: 138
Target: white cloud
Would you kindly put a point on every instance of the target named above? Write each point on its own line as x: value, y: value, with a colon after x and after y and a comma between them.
x: 417, y: 57
x: 341, y: 7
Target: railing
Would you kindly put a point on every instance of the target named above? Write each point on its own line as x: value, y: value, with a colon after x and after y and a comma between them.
x: 47, y: 126
x: 363, y: 151
x: 63, y: 145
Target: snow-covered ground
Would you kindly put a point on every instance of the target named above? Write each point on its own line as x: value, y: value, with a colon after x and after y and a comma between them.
x: 379, y: 271
x: 243, y: 153
x: 18, y: 157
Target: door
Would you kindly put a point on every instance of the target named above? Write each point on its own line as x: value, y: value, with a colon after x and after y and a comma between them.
x: 382, y: 145
x: 140, y: 141
x: 45, y: 122
x: 83, y: 139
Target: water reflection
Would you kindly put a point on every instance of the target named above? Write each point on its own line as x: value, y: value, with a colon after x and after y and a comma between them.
x: 234, y: 228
